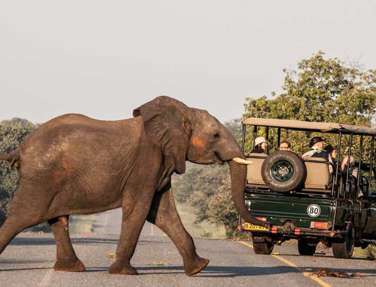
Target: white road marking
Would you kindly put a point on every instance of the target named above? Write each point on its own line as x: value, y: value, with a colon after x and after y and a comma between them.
x: 309, y: 275
x: 46, y: 279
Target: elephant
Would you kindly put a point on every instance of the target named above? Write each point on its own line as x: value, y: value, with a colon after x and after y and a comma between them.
x: 74, y: 164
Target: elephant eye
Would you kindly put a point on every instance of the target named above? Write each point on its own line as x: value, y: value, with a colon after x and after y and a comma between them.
x: 217, y: 136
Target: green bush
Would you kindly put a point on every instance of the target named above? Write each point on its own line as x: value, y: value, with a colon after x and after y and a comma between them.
x: 12, y: 133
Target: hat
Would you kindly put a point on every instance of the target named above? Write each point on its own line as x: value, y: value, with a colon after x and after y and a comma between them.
x: 259, y: 140
x: 315, y: 140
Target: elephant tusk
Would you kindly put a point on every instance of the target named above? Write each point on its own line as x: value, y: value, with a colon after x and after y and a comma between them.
x: 241, y: 161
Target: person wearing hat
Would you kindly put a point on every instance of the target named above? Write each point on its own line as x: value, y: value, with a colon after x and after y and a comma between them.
x: 261, y: 145
x: 317, y: 148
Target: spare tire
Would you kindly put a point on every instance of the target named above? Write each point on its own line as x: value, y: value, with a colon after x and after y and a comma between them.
x: 284, y: 171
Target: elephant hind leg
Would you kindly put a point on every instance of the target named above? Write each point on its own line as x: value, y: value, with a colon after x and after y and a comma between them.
x: 164, y: 215
x: 10, y: 228
x: 66, y: 258
x: 24, y: 212
x: 15, y: 224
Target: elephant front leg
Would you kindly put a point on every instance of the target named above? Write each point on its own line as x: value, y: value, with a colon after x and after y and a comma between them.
x: 134, y: 216
x: 66, y: 258
x: 164, y: 215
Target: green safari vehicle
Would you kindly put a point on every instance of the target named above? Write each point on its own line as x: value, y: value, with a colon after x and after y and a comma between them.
x: 311, y: 199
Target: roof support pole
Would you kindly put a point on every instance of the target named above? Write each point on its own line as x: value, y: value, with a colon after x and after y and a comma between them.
x: 254, y: 136
x: 349, y: 161
x: 279, y: 137
x: 371, y: 171
x: 337, y: 166
x: 244, y: 132
x: 360, y: 163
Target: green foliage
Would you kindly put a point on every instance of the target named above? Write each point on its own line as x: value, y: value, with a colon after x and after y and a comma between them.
x: 207, y: 190
x: 221, y: 208
x: 12, y: 133
x: 198, y: 184
x: 323, y: 90
x: 235, y: 128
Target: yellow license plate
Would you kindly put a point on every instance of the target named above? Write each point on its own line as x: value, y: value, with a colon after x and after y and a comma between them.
x: 252, y: 227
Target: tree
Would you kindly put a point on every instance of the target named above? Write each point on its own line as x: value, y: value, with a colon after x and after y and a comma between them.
x: 221, y: 208
x: 321, y: 89
x: 12, y: 133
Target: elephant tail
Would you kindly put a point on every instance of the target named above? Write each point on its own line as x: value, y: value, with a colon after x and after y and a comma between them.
x: 13, y: 157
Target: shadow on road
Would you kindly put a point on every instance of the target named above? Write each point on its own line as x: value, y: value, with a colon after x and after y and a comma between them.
x: 24, y: 269
x: 27, y: 241
x: 239, y: 271
x: 220, y: 271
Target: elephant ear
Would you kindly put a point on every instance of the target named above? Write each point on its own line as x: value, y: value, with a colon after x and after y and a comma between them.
x: 167, y: 123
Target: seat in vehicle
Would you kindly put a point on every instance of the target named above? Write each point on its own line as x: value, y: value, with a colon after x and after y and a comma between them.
x: 254, y: 168
x: 318, y: 175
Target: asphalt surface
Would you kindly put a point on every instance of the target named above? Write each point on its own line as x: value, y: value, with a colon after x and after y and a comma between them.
x: 29, y: 259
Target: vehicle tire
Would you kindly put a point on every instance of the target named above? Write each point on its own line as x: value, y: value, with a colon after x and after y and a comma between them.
x: 345, y: 247
x: 306, y: 247
x: 284, y: 171
x: 262, y: 245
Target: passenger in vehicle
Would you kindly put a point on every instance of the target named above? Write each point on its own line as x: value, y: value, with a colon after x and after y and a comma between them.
x: 332, y: 156
x: 347, y: 162
x: 261, y: 145
x: 332, y: 151
x: 317, y: 148
x: 349, y: 165
x: 285, y: 145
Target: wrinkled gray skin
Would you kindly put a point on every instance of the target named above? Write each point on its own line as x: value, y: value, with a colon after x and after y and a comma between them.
x: 77, y: 165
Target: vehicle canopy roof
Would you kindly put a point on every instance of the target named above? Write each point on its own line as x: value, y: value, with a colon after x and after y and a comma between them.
x: 311, y: 126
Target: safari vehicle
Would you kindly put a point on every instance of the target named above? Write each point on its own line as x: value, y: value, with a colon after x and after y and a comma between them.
x: 311, y: 199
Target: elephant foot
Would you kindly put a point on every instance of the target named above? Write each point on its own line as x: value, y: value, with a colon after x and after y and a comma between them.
x: 121, y: 268
x: 69, y: 266
x: 196, y: 266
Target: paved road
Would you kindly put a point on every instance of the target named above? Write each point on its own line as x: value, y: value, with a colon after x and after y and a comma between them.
x: 28, y: 261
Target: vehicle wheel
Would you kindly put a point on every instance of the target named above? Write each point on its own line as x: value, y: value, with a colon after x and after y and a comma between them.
x: 306, y: 247
x: 262, y: 245
x: 345, y: 247
x: 284, y: 171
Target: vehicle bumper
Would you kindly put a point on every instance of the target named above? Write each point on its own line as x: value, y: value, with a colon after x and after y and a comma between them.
x: 292, y: 232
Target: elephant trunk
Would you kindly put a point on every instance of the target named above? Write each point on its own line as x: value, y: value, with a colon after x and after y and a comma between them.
x: 238, y: 181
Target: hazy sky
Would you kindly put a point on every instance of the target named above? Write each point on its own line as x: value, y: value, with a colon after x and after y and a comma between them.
x: 104, y: 58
